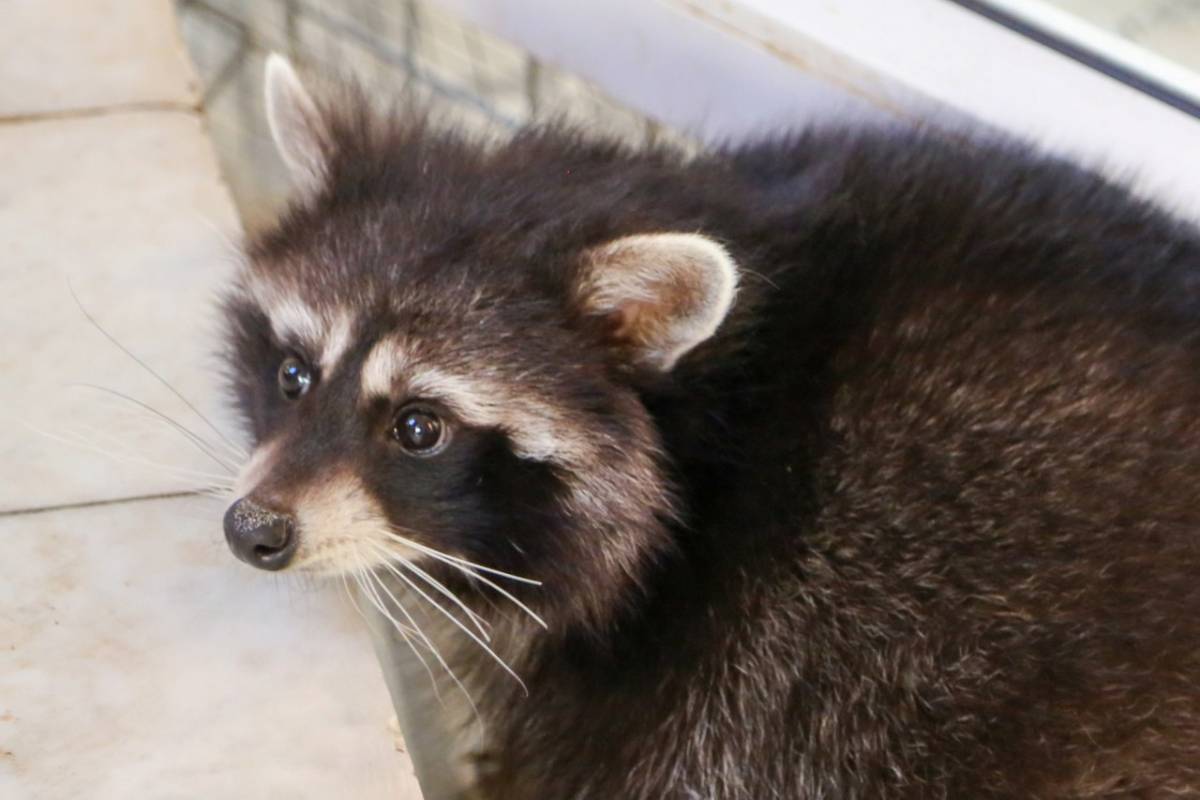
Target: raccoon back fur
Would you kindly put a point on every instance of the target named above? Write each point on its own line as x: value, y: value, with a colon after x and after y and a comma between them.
x: 846, y: 464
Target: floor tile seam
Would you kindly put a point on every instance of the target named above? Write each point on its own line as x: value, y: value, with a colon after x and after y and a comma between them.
x: 92, y: 112
x: 102, y: 503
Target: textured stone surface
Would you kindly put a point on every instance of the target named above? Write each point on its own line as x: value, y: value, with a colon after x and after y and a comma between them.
x: 138, y: 659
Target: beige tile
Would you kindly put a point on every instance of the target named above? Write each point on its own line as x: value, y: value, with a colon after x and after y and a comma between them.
x: 130, y: 211
x: 138, y: 659
x: 61, y: 55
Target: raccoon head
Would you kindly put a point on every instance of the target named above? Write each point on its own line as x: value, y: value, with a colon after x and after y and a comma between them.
x: 437, y: 353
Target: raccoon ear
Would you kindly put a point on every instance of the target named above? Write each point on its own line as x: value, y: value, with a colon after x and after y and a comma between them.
x: 664, y: 293
x: 295, y: 123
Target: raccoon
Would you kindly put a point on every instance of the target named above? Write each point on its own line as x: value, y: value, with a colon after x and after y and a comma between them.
x: 851, y: 463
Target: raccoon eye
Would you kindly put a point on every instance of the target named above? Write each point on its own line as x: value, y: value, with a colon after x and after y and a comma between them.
x: 418, y: 430
x: 294, y: 377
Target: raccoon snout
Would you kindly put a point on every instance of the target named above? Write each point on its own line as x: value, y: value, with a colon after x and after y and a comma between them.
x: 262, y: 538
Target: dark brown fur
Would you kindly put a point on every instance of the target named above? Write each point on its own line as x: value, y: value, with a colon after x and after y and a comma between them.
x: 935, y: 477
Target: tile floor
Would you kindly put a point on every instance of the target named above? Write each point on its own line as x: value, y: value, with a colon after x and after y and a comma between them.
x: 137, y: 658
x: 139, y: 661
x: 104, y: 53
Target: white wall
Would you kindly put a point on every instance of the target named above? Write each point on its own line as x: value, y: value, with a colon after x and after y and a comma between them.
x: 726, y: 68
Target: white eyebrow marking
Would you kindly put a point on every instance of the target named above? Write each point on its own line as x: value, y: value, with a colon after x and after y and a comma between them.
x: 386, y: 361
x: 337, y: 341
x: 327, y: 335
x: 293, y: 320
x: 538, y: 430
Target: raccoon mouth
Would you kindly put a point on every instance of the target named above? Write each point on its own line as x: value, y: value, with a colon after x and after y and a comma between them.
x: 259, y: 536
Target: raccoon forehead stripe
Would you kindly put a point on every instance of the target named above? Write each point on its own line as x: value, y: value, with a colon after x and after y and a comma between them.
x: 337, y: 340
x: 384, y: 364
x: 326, y: 333
x: 292, y: 320
x: 538, y: 430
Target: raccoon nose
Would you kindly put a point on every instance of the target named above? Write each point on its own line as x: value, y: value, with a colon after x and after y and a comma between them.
x: 262, y: 538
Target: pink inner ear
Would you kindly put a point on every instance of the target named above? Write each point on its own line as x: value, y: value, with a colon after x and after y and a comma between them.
x: 660, y: 302
x: 623, y: 322
x: 662, y: 294
x: 637, y: 323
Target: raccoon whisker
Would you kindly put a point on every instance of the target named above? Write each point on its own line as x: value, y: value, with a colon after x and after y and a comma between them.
x: 137, y: 413
x: 441, y: 588
x: 241, y: 453
x: 190, y: 436
x: 122, y: 450
x: 78, y: 439
x: 356, y: 573
x: 223, y: 492
x: 480, y: 623
x: 183, y: 430
x: 362, y: 576
x: 504, y: 593
x: 80, y: 442
x: 747, y: 271
x: 456, y: 563
x: 458, y: 623
x: 367, y: 585
x: 438, y: 554
x: 349, y: 594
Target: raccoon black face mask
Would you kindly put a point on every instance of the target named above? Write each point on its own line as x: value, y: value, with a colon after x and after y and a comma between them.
x: 848, y: 464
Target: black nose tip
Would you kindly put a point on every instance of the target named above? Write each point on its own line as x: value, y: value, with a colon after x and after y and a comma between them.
x: 258, y: 536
